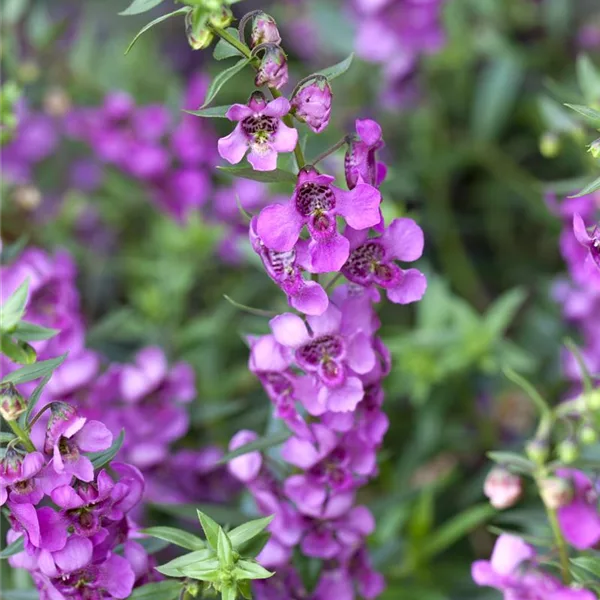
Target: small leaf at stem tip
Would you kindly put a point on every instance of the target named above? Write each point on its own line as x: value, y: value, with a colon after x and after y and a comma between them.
x: 35, y: 395
x: 275, y: 176
x: 259, y: 312
x: 258, y: 445
x: 178, y: 537
x: 588, y: 189
x: 221, y: 79
x: 240, y: 535
x: 99, y: 459
x: 35, y: 371
x: 338, y: 69
x: 246, y: 569
x: 30, y: 332
x: 156, y: 21
x: 224, y: 549
x: 14, y: 307
x: 137, y: 7
x: 210, y: 527
x: 173, y: 567
x: 589, y: 113
x: 212, y: 112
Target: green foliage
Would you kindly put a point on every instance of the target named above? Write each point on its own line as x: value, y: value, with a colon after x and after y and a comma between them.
x: 221, y: 79
x: 99, y: 459
x: 34, y: 371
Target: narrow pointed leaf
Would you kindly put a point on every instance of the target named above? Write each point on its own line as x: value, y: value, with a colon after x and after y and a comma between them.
x: 138, y: 7
x: 14, y: 307
x: 337, y: 69
x: 212, y: 112
x: 206, y: 570
x: 19, y: 352
x: 99, y: 459
x: 593, y: 116
x: 588, y: 189
x: 17, y: 546
x: 173, y: 567
x: 180, y: 11
x: 221, y: 79
x: 247, y: 531
x: 224, y: 49
x: 165, y: 590
x: 35, y: 395
x: 252, y: 548
x: 245, y: 569
x: 35, y: 371
x: 275, y: 176
x: 224, y: 549
x: 30, y: 332
x: 260, y: 444
x: 211, y: 529
x: 513, y: 461
x: 6, y: 436
x: 178, y: 537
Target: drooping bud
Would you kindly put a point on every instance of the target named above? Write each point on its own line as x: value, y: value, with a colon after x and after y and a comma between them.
x: 198, y: 35
x: 10, y: 465
x: 502, y: 487
x: 264, y: 30
x: 568, y: 451
x: 537, y: 450
x: 12, y: 404
x: 312, y: 103
x: 556, y: 492
x: 594, y: 148
x: 273, y: 69
x: 222, y: 18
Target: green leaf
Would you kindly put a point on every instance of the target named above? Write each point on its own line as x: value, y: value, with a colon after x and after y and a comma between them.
x: 176, y: 536
x: 224, y: 549
x: 173, y: 567
x: 138, y: 7
x: 30, y: 332
x: 593, y: 116
x: 275, y: 176
x: 224, y: 49
x: 35, y: 395
x: 252, y: 548
x: 260, y: 444
x: 588, y: 189
x: 35, y: 371
x: 503, y: 311
x: 246, y: 569
x: 6, y: 436
x: 229, y: 592
x: 588, y: 78
x: 221, y: 79
x: 211, y: 529
x: 14, y: 307
x: 337, y: 69
x: 206, y: 570
x: 165, y: 590
x: 212, y: 112
x: 99, y: 459
x: 244, y: 533
x: 590, y: 564
x: 14, y: 548
x: 19, y: 352
x: 513, y: 461
x: 20, y: 595
x: 156, y: 21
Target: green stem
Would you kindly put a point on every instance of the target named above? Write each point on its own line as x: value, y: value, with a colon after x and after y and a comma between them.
x: 255, y: 62
x: 561, y: 545
x: 329, y: 151
x: 22, y: 436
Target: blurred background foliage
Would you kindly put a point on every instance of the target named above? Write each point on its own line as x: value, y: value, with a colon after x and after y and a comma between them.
x: 472, y: 158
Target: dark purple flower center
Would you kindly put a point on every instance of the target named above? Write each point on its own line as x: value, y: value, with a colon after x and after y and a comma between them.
x: 260, y: 126
x: 68, y: 449
x: 281, y: 264
x: 322, y: 350
x: 278, y: 384
x: 365, y: 261
x: 23, y: 487
x: 313, y: 199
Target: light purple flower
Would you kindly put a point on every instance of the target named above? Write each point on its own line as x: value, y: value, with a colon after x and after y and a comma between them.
x: 589, y: 241
x: 580, y: 519
x: 360, y: 161
x: 246, y: 467
x: 259, y: 129
x: 316, y: 203
x: 312, y: 104
x: 334, y: 352
x: 285, y: 269
x: 372, y: 260
x: 19, y: 477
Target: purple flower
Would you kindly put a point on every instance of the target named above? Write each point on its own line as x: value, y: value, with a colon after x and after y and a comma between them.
x: 312, y: 104
x: 360, y: 162
x: 68, y: 435
x: 273, y: 68
x: 334, y: 352
x: 502, y: 487
x: 44, y: 528
x: 259, y: 129
x: 316, y: 203
x: 246, y: 467
x: 19, y: 477
x: 510, y: 570
x: 264, y: 30
x: 285, y: 269
x: 580, y: 519
x: 589, y: 241
x: 371, y: 260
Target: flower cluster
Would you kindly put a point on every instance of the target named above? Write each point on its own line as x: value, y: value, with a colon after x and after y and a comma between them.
x: 73, y: 516
x: 323, y: 368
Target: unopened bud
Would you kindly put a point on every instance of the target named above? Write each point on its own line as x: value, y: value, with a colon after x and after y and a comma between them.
x: 312, y: 104
x: 537, y: 450
x: 556, y: 492
x: 568, y: 451
x: 502, y: 487
x: 199, y: 37
x: 588, y: 434
x: 549, y: 145
x: 273, y: 69
x: 594, y: 148
x: 12, y: 404
x: 264, y: 30
x: 222, y: 18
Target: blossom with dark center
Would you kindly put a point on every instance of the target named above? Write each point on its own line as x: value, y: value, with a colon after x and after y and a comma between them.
x: 361, y: 160
x: 285, y: 269
x: 333, y: 352
x: 19, y: 477
x: 316, y: 203
x: 260, y: 130
x: 589, y: 241
x: 372, y: 260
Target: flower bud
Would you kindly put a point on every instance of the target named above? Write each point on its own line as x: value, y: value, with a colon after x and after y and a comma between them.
x: 12, y: 404
x: 556, y: 492
x: 537, y: 450
x: 312, y: 104
x: 264, y: 30
x: 549, y: 145
x: 273, y: 69
x: 588, y: 434
x: 222, y: 18
x: 199, y: 37
x: 502, y: 487
x: 568, y: 451
x: 594, y: 148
